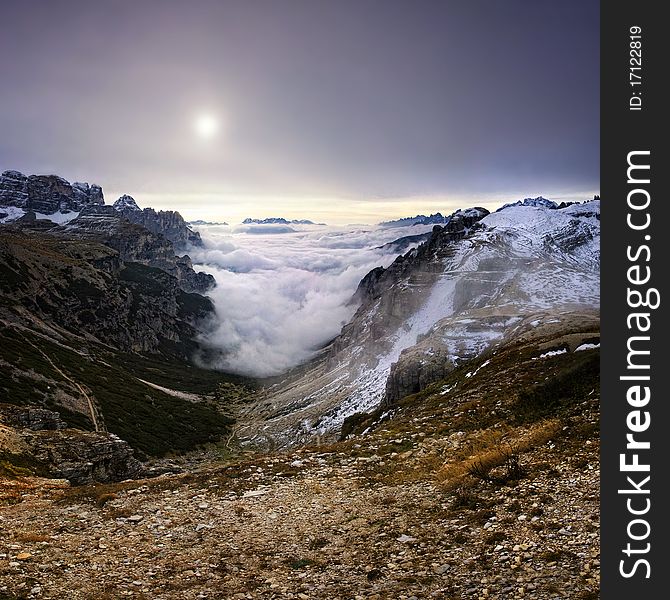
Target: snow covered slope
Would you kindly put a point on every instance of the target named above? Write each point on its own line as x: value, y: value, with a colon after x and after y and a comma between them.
x: 456, y: 297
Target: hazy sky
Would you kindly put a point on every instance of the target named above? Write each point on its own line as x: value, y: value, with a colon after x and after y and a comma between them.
x: 336, y: 110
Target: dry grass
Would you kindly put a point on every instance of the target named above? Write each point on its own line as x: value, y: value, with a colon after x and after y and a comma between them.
x: 493, y: 449
x: 32, y: 537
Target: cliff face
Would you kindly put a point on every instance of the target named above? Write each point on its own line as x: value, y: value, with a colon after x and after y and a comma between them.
x: 40, y: 439
x: 96, y: 312
x: 104, y: 343
x: 81, y: 285
x: 165, y: 222
x: 47, y: 194
x: 135, y: 243
x: 54, y: 199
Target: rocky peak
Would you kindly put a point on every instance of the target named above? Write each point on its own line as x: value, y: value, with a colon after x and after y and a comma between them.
x: 537, y: 202
x: 13, y: 189
x: 46, y: 194
x: 456, y: 226
x: 168, y: 223
x: 125, y: 203
x: 135, y: 243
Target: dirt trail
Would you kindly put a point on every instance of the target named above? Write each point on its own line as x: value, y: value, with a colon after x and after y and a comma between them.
x: 82, y: 391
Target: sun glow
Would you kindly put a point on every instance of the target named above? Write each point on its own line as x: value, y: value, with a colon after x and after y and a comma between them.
x: 206, y: 126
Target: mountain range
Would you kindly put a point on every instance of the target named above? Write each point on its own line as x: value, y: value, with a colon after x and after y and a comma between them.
x: 278, y: 221
x: 110, y: 319
x: 448, y: 434
x: 85, y: 290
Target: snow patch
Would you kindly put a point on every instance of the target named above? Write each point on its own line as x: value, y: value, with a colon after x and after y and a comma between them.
x: 479, y: 368
x: 583, y: 347
x: 551, y: 353
x: 12, y: 213
x: 60, y: 218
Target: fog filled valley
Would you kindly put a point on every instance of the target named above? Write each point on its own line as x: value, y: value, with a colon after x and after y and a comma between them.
x: 282, y: 293
x: 283, y: 409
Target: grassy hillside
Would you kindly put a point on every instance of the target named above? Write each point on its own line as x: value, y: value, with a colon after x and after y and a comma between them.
x: 152, y: 421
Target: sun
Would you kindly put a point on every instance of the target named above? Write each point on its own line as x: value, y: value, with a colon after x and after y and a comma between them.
x: 206, y: 126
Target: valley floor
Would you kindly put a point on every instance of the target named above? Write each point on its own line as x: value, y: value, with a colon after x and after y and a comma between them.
x: 484, y: 485
x: 333, y: 523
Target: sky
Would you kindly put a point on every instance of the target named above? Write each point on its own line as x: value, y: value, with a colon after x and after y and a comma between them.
x: 338, y: 111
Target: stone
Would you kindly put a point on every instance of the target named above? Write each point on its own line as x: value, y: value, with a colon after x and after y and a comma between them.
x: 404, y: 539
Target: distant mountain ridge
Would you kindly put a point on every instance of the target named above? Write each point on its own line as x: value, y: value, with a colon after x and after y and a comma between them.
x: 199, y: 222
x: 278, y: 221
x: 435, y: 219
x: 52, y: 198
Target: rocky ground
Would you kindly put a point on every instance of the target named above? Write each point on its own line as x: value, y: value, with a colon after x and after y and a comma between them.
x: 441, y: 501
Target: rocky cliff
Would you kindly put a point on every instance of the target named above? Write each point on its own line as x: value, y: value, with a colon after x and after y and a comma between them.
x: 99, y: 321
x: 52, y: 198
x: 86, y: 287
x: 168, y: 223
x: 107, y: 344
x: 46, y: 194
x: 135, y: 243
x: 40, y: 439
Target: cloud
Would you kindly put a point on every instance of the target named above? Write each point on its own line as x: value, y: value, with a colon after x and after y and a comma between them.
x: 279, y: 299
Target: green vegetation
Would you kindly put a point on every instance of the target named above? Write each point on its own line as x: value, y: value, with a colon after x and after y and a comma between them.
x: 561, y: 390
x: 19, y: 465
x: 178, y: 374
x: 153, y: 422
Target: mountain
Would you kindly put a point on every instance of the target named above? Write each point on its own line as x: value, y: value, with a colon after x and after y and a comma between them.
x: 104, y: 343
x: 135, y: 243
x: 44, y: 195
x: 99, y: 327
x: 402, y: 244
x: 200, y: 222
x: 164, y: 222
x: 53, y: 199
x: 479, y: 284
x: 126, y: 203
x: 452, y: 427
x: 434, y: 219
x: 405, y: 221
x: 278, y: 221
x: 537, y: 202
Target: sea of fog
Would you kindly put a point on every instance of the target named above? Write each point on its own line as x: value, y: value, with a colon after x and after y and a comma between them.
x: 283, y: 291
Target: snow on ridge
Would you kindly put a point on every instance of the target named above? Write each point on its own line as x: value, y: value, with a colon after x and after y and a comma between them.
x: 58, y: 217
x: 551, y: 353
x: 540, y: 219
x: 12, y: 213
x: 535, y: 277
x: 540, y: 201
x: 583, y: 347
